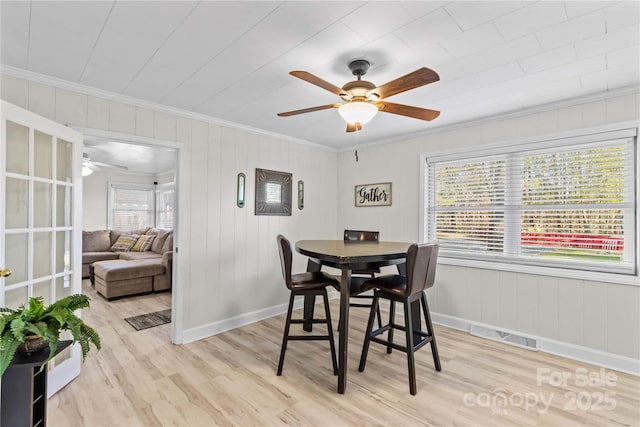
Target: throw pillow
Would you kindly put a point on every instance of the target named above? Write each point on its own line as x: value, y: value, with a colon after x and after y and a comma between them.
x: 125, y: 242
x: 161, y: 236
x: 144, y: 243
x: 168, y: 244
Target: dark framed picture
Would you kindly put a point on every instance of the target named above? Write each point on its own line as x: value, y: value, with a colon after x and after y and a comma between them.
x: 273, y: 193
x: 373, y: 194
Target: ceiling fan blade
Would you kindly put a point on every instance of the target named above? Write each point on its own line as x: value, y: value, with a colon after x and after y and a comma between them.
x: 352, y: 127
x: 407, y: 110
x: 315, y: 80
x: 420, y: 77
x: 108, y: 165
x: 308, y: 110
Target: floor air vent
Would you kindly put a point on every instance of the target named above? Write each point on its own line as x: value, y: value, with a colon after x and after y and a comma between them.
x: 506, y: 337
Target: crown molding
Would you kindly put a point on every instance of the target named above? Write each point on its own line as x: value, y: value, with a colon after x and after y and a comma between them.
x: 92, y: 91
x: 20, y: 73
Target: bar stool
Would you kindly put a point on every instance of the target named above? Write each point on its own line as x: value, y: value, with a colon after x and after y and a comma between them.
x: 310, y: 283
x: 421, y: 270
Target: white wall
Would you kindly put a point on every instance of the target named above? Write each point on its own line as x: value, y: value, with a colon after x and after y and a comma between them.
x: 95, y: 194
x: 591, y: 314
x: 228, y: 260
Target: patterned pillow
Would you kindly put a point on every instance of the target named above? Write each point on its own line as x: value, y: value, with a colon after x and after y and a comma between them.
x: 125, y: 242
x: 144, y: 243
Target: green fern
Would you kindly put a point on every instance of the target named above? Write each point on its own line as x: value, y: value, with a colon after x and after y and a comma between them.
x: 46, y: 322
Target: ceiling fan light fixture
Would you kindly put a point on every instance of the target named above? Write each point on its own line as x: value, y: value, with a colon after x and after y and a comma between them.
x: 358, y: 112
x: 86, y: 171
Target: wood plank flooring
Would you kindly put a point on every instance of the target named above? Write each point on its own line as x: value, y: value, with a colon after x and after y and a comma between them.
x: 140, y: 379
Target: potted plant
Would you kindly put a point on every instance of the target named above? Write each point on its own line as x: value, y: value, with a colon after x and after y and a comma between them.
x: 33, y: 328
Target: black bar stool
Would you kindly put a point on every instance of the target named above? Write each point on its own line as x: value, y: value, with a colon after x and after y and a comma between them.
x: 310, y: 283
x: 421, y: 271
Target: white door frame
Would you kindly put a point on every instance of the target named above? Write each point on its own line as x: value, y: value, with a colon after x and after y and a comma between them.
x: 177, y: 290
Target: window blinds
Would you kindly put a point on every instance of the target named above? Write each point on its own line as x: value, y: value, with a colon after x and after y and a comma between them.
x: 570, y: 206
x: 131, y: 208
x: 165, y: 208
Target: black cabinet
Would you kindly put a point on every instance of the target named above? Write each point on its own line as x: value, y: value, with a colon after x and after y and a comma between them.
x: 24, y: 390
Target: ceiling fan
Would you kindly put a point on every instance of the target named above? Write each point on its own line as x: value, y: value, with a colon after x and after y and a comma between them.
x: 363, y: 99
x: 89, y: 166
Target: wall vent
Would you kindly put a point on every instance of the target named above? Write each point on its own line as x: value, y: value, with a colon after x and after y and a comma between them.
x: 503, y: 336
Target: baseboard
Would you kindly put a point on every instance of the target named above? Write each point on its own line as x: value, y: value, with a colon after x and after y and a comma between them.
x: 590, y: 355
x: 214, y: 328
x: 559, y: 348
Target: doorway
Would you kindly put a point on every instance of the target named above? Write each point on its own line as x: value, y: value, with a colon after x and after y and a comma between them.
x: 120, y: 162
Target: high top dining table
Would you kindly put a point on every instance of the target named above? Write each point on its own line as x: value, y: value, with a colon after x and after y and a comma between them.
x: 348, y: 256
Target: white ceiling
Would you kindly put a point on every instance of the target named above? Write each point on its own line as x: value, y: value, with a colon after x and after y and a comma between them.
x: 230, y: 60
x: 136, y: 158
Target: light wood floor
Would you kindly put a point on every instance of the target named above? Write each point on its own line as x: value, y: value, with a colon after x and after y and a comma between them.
x: 140, y: 379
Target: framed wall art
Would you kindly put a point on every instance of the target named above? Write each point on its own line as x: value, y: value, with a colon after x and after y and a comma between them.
x: 373, y: 194
x: 273, y: 193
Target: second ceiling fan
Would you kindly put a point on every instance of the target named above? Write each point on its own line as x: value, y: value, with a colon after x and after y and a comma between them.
x: 363, y: 99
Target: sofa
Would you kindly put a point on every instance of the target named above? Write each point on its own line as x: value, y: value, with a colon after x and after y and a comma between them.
x: 145, y: 260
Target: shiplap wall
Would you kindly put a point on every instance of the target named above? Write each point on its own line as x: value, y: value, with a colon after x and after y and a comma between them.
x: 601, y: 316
x: 228, y: 261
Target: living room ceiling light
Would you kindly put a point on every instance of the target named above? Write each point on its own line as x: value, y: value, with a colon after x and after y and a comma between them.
x: 86, y: 171
x: 358, y: 112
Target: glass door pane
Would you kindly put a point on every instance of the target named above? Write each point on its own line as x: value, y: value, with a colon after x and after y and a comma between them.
x: 42, y: 254
x: 43, y: 146
x: 17, y: 143
x: 17, y: 203
x: 64, y: 206
x: 42, y: 200
x: 17, y: 258
x: 64, y: 163
x: 39, y: 173
x: 63, y: 251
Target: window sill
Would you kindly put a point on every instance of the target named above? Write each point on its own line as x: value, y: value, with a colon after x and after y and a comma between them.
x: 594, y: 276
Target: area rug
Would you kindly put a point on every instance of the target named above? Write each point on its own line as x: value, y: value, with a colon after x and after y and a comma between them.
x: 146, y: 321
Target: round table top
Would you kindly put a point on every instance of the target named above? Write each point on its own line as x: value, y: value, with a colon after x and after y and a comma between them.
x: 349, y: 252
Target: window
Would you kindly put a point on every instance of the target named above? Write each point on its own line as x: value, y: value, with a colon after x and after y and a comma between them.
x: 568, y: 203
x: 164, y: 206
x: 131, y: 207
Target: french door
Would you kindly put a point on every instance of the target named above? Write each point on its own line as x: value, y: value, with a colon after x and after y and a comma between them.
x: 40, y: 219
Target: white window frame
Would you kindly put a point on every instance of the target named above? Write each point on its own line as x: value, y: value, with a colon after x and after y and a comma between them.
x: 121, y: 185
x: 621, y: 130
x: 162, y: 188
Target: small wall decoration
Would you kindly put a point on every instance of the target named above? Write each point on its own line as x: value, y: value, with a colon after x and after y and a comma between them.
x: 301, y: 194
x: 273, y: 193
x: 241, y: 190
x: 373, y: 194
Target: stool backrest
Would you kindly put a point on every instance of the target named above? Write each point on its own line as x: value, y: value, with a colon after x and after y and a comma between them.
x: 284, y: 247
x: 361, y: 236
x: 421, y: 267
